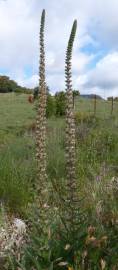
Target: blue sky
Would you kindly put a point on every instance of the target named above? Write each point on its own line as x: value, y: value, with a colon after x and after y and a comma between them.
x: 95, y: 55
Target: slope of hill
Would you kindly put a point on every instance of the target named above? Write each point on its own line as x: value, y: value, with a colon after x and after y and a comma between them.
x: 90, y: 96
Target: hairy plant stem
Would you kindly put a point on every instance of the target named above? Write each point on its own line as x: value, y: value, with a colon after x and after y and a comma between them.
x: 41, y: 123
x: 71, y: 186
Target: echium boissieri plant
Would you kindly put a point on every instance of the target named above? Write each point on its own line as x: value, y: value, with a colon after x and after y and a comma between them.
x: 41, y: 122
x: 71, y: 185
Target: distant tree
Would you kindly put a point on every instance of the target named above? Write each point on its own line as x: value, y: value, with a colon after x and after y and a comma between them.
x: 55, y: 104
x: 36, y: 91
x: 116, y: 99
x: 50, y: 109
x: 76, y: 93
x: 60, y: 103
x: 109, y: 98
x: 7, y: 85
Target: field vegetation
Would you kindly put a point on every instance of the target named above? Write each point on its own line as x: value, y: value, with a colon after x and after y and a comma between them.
x: 97, y: 166
x: 58, y: 177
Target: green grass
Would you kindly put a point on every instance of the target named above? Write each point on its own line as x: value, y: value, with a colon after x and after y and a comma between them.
x: 17, y: 175
x: 103, y: 107
x: 97, y: 143
x: 17, y: 150
x: 15, y: 115
x: 97, y: 165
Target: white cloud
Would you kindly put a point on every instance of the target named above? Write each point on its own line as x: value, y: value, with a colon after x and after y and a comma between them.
x: 17, y: 35
x: 104, y: 77
x: 97, y: 26
x: 30, y: 82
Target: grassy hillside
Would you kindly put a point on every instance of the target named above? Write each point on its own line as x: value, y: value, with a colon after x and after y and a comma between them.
x: 103, y: 107
x: 16, y: 114
x: 97, y: 143
x: 97, y: 147
x: 97, y: 173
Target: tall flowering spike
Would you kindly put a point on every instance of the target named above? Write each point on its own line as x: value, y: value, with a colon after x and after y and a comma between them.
x: 71, y: 186
x: 41, y: 118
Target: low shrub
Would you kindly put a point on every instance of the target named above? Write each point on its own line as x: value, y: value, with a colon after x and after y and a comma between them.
x: 84, y: 117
